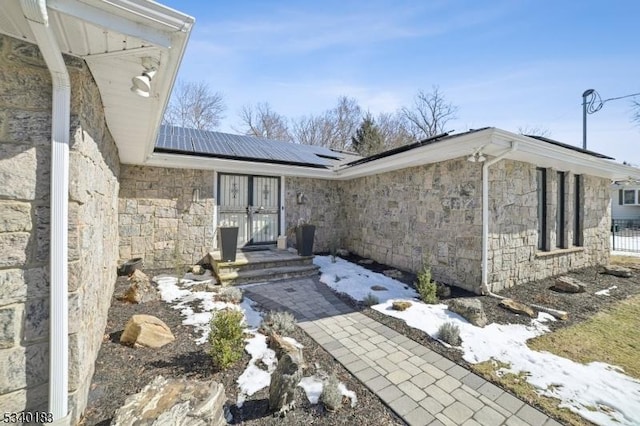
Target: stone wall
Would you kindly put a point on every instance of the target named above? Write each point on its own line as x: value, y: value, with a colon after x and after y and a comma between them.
x: 25, y: 133
x: 430, y: 212
x: 513, y: 233
x: 165, y: 215
x: 321, y: 205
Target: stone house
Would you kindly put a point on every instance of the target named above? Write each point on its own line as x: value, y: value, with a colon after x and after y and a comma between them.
x: 90, y: 178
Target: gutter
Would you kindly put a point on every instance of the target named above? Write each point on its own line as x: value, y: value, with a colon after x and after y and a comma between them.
x: 35, y: 11
x: 485, y: 215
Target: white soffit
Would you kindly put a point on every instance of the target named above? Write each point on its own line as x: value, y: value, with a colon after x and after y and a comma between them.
x: 113, y: 36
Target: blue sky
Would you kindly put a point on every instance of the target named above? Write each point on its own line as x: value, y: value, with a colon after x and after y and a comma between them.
x: 507, y: 64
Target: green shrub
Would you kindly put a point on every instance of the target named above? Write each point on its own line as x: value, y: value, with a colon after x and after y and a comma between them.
x: 427, y: 288
x: 226, y: 337
x: 331, y: 396
x: 370, y: 300
x: 229, y: 295
x: 449, y: 333
x: 282, y: 323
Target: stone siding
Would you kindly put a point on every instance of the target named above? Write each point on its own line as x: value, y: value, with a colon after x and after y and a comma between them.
x: 321, y: 205
x: 514, y: 257
x: 165, y: 215
x: 25, y: 163
x: 431, y: 212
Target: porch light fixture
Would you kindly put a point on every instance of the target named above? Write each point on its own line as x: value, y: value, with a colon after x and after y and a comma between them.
x: 477, y: 156
x: 141, y: 84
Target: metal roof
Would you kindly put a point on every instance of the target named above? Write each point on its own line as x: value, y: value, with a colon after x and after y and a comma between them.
x: 575, y: 148
x: 182, y: 140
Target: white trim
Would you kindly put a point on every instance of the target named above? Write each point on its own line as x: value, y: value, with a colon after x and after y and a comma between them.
x: 283, y: 212
x: 36, y: 13
x: 215, y: 209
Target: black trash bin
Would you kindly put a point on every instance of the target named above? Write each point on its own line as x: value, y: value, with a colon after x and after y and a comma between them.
x: 228, y: 243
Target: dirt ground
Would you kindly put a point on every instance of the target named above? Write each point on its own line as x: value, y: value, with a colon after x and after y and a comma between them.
x: 121, y: 371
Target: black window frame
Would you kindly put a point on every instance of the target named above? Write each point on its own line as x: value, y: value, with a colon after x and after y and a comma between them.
x: 577, y: 211
x: 541, y: 180
x: 560, y: 209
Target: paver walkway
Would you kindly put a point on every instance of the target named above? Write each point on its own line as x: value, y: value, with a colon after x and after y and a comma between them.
x: 419, y: 385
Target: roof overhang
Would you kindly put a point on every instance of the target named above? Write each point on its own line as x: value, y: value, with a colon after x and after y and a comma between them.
x: 491, y: 141
x: 113, y: 37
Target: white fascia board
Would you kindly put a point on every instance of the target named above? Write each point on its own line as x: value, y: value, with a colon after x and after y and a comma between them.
x: 222, y: 165
x: 121, y: 24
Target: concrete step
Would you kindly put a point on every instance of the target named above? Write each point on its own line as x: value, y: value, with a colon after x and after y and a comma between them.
x: 261, y: 264
x: 271, y: 274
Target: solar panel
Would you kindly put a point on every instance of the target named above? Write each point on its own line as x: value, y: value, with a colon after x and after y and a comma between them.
x: 210, y: 143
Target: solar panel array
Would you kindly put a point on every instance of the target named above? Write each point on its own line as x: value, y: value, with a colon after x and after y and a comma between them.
x: 193, y: 141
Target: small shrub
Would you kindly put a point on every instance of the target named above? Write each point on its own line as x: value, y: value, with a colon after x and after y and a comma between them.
x: 226, y: 338
x: 427, y: 288
x: 400, y: 305
x: 282, y: 323
x: 370, y: 300
x: 443, y: 290
x: 331, y: 396
x: 229, y: 295
x: 450, y: 333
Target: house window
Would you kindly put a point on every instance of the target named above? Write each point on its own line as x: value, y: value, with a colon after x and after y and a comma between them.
x: 560, y: 211
x: 541, y: 180
x: 577, y: 211
x: 630, y: 196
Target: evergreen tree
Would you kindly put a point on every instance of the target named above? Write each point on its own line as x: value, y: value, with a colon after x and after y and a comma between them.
x: 368, y: 140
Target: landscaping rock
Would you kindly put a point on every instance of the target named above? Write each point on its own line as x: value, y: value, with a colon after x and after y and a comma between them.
x: 285, y: 379
x: 566, y: 284
x: 618, y: 271
x: 281, y: 346
x: 146, y: 331
x: 469, y: 309
x: 392, y: 273
x: 365, y: 261
x: 518, y: 308
x: 140, y: 290
x: 342, y: 252
x: 209, y: 286
x: 197, y: 270
x: 400, y: 305
x: 169, y: 402
x: 443, y: 290
x: 378, y: 288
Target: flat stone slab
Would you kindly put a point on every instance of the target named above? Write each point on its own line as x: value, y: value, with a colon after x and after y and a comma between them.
x: 566, y: 284
x: 618, y: 271
x: 518, y: 308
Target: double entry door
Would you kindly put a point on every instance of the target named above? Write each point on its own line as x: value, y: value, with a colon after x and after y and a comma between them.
x: 252, y: 203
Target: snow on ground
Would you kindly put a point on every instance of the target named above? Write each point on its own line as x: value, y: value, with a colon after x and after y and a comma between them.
x: 625, y: 253
x: 596, y: 391
x: 254, y: 378
x: 606, y: 291
x: 356, y: 281
x: 313, y: 386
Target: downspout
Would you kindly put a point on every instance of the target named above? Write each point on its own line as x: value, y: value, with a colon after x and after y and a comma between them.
x: 485, y: 215
x: 35, y: 11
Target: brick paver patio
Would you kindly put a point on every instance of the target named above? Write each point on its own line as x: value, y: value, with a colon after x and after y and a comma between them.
x: 418, y: 384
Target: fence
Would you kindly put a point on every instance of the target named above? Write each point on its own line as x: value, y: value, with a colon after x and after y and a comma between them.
x: 625, y: 235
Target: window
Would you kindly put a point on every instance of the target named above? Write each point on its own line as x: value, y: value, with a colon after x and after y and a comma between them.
x: 629, y: 196
x: 577, y: 211
x: 560, y: 211
x: 541, y: 180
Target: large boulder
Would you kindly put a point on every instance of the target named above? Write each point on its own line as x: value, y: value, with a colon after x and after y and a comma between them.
x: 285, y: 378
x: 171, y: 402
x: 618, y: 271
x: 140, y: 290
x: 146, y: 331
x: 566, y: 284
x: 518, y: 308
x: 469, y: 309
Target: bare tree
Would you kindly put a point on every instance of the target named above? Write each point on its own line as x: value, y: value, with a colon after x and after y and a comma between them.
x: 262, y: 121
x: 635, y: 105
x: 430, y: 114
x: 194, y: 105
x: 394, y: 129
x: 312, y: 130
x: 534, y: 131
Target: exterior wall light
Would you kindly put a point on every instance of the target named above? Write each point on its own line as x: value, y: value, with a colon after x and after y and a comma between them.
x: 141, y: 84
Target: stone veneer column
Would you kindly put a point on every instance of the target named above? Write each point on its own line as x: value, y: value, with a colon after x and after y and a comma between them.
x: 25, y: 139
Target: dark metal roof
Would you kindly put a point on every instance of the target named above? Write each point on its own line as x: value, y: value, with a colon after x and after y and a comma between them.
x: 240, y: 147
x: 572, y: 147
x: 438, y: 138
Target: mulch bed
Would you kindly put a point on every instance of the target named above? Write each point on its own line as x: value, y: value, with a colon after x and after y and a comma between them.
x: 121, y: 371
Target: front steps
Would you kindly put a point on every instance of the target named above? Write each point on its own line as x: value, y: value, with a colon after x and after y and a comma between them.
x: 262, y: 266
